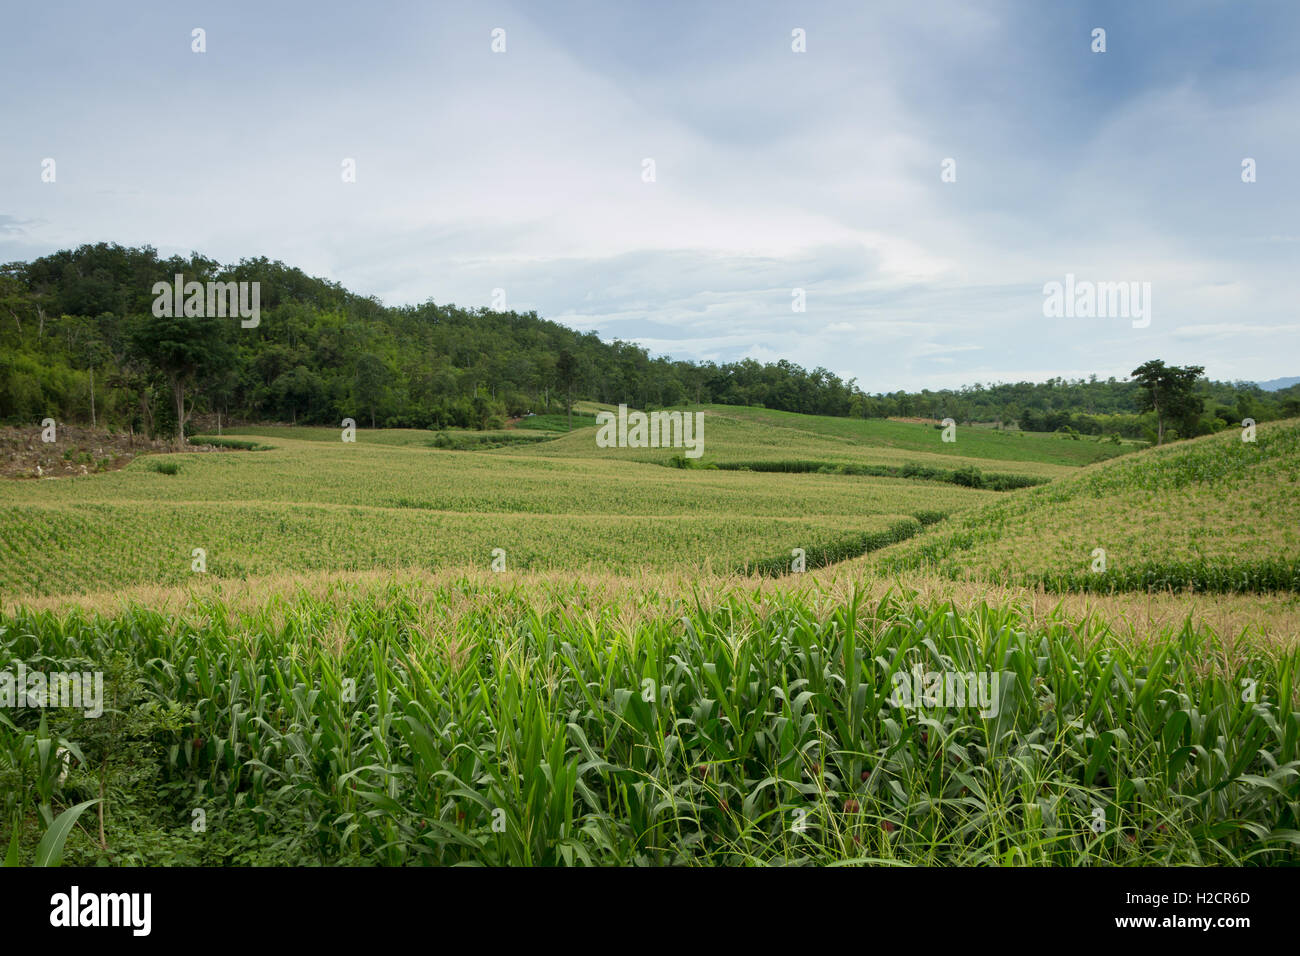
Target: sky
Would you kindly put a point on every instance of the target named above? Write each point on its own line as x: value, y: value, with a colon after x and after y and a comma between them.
x: 523, y: 170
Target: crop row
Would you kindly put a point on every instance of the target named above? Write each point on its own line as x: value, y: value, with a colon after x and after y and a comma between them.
x: 475, y: 725
x: 76, y: 549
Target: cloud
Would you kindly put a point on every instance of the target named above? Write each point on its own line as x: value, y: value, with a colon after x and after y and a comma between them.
x: 775, y: 171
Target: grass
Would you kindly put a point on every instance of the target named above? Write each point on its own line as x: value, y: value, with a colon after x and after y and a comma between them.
x: 315, y: 505
x: 971, y: 441
x: 236, y: 444
x: 555, y: 424
x: 735, y: 436
x: 488, y: 721
x: 968, y: 477
x: 1215, y: 514
x: 402, y: 437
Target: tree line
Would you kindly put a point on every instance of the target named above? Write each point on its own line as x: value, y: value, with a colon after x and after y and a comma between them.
x: 79, y: 341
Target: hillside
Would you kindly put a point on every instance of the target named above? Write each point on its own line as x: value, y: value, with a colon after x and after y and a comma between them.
x: 370, y: 564
x: 1277, y: 384
x: 770, y: 440
x: 399, y: 498
x: 1213, y: 513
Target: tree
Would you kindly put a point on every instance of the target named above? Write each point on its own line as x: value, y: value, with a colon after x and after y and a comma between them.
x: 184, y: 349
x: 1168, y: 390
x: 299, y: 390
x: 88, y: 351
x: 371, y: 383
x: 13, y: 299
x: 566, y: 367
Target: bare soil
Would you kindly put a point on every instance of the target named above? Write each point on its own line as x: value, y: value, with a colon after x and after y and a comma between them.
x: 77, y: 450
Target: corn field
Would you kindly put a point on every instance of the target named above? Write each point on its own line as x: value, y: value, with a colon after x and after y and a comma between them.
x: 1214, y: 514
x: 492, y: 723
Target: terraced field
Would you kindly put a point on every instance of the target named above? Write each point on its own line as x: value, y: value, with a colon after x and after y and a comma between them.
x: 1215, y: 513
x: 319, y: 505
x: 750, y: 435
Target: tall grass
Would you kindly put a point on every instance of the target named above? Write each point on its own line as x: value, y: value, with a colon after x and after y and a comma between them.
x: 483, y: 724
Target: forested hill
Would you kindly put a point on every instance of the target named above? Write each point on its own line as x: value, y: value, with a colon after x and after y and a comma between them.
x: 320, y: 353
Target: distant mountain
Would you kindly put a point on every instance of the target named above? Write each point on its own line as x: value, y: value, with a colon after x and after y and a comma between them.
x: 1276, y: 384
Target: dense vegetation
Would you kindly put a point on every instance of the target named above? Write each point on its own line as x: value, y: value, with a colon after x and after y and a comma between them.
x: 78, y: 342
x: 1092, y: 406
x: 321, y: 353
x: 496, y: 724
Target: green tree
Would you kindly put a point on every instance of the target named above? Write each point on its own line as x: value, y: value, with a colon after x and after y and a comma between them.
x: 371, y: 383
x: 299, y: 390
x: 184, y: 349
x: 566, y: 368
x: 1169, y: 391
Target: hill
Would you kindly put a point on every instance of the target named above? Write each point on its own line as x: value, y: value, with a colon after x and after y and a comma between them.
x: 768, y: 440
x: 1211, y: 514
x: 1277, y: 384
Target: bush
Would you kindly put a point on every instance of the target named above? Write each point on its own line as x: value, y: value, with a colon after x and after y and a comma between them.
x: 239, y: 444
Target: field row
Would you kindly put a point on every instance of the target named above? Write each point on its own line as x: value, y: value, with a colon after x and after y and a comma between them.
x: 474, y: 482
x: 745, y: 435
x: 78, y: 549
x: 1215, y: 514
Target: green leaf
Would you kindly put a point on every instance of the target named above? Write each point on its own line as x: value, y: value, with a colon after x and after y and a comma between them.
x: 11, y: 858
x: 50, y: 850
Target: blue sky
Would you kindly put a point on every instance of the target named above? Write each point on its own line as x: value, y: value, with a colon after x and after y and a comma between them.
x: 775, y: 170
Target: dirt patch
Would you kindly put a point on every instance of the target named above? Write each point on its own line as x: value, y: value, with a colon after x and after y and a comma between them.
x: 75, y: 451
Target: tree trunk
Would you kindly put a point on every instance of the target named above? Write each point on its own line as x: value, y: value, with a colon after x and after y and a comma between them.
x: 180, y: 414
x: 146, y: 413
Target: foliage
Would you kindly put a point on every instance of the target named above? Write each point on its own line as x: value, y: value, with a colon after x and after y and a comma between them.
x: 1169, y: 391
x: 504, y: 724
